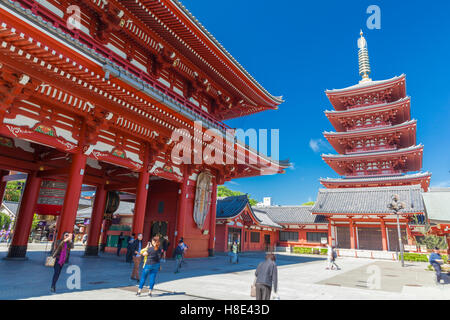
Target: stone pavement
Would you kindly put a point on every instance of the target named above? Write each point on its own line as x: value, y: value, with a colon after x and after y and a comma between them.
x: 300, y: 277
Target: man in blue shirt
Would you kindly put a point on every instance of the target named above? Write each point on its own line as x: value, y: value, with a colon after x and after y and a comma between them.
x: 436, y: 261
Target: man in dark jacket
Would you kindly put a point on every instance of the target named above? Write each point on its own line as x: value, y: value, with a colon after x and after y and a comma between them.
x: 136, y: 248
x: 266, y: 278
x: 130, y: 242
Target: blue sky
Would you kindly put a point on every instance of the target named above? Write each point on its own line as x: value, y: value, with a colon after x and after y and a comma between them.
x: 300, y: 48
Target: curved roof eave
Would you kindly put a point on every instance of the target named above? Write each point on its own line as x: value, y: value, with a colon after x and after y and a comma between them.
x: 276, y: 99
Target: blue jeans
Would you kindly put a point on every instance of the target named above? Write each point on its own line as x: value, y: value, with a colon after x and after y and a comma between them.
x: 152, y: 270
x: 437, y: 268
x: 179, y: 259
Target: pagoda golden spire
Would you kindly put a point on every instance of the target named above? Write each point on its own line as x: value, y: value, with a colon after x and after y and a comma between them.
x: 363, y: 59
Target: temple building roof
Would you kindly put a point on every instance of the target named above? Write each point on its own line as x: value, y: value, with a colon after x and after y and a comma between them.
x: 374, y: 130
x: 231, y: 207
x: 291, y: 214
x: 376, y: 179
x: 437, y: 205
x: 367, y: 85
x: 367, y: 200
x: 375, y: 153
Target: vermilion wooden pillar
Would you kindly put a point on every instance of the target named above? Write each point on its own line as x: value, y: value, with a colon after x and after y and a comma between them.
x: 95, y: 226
x: 104, y: 234
x: 330, y: 236
x: 352, y: 235
x: 212, y: 224
x: 141, y: 201
x: 409, y: 234
x: 383, y: 235
x: 182, y: 205
x: 68, y: 215
x: 3, y: 184
x: 24, y: 220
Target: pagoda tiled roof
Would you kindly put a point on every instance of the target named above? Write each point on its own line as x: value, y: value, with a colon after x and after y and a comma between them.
x: 375, y: 153
x: 364, y: 85
x: 370, y: 130
x: 367, y: 108
x: 291, y: 214
x: 376, y: 179
x: 367, y: 200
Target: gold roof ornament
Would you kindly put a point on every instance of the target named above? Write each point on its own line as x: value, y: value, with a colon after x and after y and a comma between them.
x: 363, y: 59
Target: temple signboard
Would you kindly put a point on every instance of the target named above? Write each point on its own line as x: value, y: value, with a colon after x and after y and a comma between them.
x: 51, y: 197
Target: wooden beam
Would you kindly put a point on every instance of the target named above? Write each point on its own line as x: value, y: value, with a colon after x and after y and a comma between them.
x: 14, y: 177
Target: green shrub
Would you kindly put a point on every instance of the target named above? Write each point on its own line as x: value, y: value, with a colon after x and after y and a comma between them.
x: 302, y: 250
x: 305, y: 250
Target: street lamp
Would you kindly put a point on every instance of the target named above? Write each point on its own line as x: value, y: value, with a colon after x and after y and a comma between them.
x: 396, y: 206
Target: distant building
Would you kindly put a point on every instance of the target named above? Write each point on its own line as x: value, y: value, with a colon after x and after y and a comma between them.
x: 267, y: 202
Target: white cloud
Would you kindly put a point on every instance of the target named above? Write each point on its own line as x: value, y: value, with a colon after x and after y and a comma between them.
x: 318, y: 144
x: 442, y: 184
x: 233, y: 183
x: 292, y: 167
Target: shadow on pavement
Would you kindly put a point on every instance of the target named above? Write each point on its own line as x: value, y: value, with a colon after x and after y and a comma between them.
x: 30, y: 278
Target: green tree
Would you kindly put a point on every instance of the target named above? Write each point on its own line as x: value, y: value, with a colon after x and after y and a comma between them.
x: 309, y: 203
x: 5, y: 221
x: 12, y: 191
x: 35, y: 222
x: 432, y: 241
x: 223, y: 191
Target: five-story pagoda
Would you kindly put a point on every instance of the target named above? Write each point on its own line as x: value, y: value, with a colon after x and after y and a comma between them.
x: 375, y: 136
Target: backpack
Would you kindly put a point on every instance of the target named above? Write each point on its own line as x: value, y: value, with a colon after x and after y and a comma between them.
x: 334, y: 255
x: 179, y: 250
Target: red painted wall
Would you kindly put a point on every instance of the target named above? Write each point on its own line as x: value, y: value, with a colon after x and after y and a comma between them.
x: 302, y: 239
x: 167, y: 192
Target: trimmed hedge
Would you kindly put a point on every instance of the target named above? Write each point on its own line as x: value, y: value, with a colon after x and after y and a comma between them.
x: 409, y: 256
x: 305, y: 250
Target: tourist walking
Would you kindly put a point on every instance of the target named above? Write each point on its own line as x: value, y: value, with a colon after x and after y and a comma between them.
x: 331, y: 258
x: 436, y: 261
x: 136, y: 249
x: 61, y: 254
x: 234, y: 252
x: 184, y: 247
x: 119, y: 243
x: 179, y: 250
x: 84, y: 238
x: 130, y: 241
x: 152, y: 264
x: 165, y: 246
x: 266, y: 278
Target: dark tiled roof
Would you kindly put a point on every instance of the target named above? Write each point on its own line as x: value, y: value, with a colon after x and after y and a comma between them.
x: 291, y: 214
x: 12, y: 206
x: 367, y: 200
x: 231, y: 206
x: 124, y: 208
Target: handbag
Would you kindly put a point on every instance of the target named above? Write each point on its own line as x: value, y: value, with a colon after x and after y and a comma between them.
x: 50, y: 261
x: 253, y: 289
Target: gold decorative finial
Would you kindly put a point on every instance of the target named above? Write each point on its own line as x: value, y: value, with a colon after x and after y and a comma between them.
x: 363, y: 58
